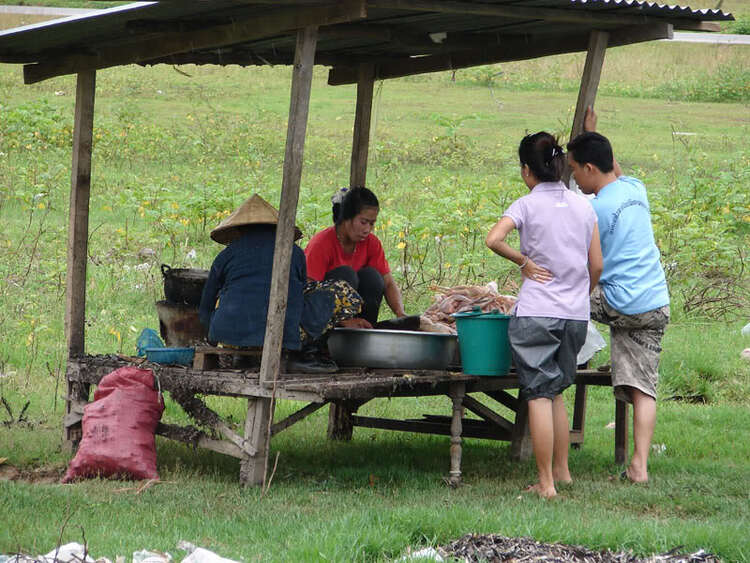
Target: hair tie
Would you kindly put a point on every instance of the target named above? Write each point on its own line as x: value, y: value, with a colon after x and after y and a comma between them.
x: 338, y: 197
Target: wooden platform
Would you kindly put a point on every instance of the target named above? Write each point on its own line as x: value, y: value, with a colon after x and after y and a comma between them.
x: 346, y: 392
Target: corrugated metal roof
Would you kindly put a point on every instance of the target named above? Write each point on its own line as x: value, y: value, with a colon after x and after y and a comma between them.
x: 254, y: 32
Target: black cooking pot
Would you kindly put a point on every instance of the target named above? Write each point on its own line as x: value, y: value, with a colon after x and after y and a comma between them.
x: 183, y: 286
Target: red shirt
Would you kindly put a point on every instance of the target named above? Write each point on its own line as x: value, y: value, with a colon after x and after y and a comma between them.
x: 324, y: 253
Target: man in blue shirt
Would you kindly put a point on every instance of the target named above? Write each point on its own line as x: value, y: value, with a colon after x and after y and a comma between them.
x: 632, y: 296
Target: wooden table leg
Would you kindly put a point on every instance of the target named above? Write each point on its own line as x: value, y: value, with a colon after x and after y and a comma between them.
x: 520, y: 446
x: 579, y: 416
x: 621, y: 432
x: 259, y: 413
x: 457, y: 392
x: 340, y: 425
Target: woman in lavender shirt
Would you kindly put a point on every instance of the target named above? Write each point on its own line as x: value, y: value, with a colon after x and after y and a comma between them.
x: 560, y: 260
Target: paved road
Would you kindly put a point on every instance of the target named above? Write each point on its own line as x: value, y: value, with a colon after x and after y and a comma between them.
x: 687, y: 37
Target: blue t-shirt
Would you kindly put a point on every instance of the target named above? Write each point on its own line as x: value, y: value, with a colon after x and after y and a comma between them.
x: 633, y: 280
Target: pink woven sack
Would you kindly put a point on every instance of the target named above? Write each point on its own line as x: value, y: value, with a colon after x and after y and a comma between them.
x: 118, y: 428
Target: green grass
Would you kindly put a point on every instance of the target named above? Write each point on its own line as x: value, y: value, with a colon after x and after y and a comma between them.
x: 174, y: 153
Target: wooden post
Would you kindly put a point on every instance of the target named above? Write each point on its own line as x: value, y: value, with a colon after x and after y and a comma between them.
x: 340, y: 424
x: 363, y: 114
x: 621, y: 432
x: 304, y: 59
x: 260, y: 410
x: 457, y: 393
x: 257, y: 423
x: 592, y: 72
x: 78, y: 232
x: 579, y: 415
x: 520, y: 445
x: 78, y: 222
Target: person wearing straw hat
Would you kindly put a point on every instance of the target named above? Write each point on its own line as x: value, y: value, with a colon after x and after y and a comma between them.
x: 234, y: 303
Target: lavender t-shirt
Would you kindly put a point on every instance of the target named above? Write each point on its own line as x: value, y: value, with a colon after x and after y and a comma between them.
x: 555, y: 226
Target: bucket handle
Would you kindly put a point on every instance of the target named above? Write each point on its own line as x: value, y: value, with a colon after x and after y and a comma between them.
x: 165, y: 270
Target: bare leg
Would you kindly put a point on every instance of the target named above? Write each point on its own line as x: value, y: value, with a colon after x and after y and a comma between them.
x: 560, y: 471
x: 541, y: 426
x: 644, y: 421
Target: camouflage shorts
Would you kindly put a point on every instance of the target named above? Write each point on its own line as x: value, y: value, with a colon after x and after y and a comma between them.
x: 636, y: 345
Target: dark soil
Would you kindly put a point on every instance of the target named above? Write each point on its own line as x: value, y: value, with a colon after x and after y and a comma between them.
x: 40, y: 475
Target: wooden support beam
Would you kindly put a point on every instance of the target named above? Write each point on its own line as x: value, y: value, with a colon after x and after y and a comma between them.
x: 78, y: 221
x: 513, y: 12
x: 172, y: 43
x: 292, y: 175
x: 486, y: 413
x: 511, y: 49
x: 295, y: 417
x: 362, y: 118
x: 592, y: 71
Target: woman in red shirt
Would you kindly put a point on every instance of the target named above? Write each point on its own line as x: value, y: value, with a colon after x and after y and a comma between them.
x: 349, y: 251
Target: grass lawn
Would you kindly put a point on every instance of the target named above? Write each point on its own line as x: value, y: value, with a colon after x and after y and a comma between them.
x: 174, y: 153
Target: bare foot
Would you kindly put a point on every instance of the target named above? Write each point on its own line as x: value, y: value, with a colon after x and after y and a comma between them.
x: 562, y: 476
x: 635, y: 476
x: 543, y: 492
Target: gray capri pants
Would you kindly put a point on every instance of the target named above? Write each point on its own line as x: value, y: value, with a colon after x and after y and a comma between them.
x: 544, y: 352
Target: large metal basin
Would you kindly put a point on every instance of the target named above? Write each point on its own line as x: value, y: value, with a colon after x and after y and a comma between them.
x: 396, y: 349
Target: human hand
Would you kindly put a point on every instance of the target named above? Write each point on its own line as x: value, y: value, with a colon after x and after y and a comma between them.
x: 589, y: 120
x: 536, y: 273
x: 356, y: 322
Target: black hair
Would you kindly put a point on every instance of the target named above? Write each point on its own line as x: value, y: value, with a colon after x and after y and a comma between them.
x: 543, y: 155
x: 352, y: 203
x: 594, y: 148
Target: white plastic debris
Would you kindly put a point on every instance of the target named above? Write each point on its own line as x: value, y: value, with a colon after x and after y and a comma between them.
x: 68, y: 552
x: 745, y: 354
x: 200, y: 555
x: 594, y: 342
x: 659, y: 448
x: 192, y: 254
x: 424, y: 554
x: 745, y: 330
x: 146, y: 556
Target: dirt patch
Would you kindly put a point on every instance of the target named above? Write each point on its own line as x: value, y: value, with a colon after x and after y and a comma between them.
x: 494, y: 548
x: 38, y: 476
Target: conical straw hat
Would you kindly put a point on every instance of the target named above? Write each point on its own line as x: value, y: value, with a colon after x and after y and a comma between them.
x: 255, y: 211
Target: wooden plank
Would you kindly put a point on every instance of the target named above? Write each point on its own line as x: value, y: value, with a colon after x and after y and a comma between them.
x: 513, y: 12
x: 295, y: 417
x: 363, y: 113
x: 592, y: 71
x: 292, y: 175
x: 78, y: 222
x: 486, y: 413
x: 231, y: 383
x: 511, y: 49
x: 142, y: 50
x: 482, y: 431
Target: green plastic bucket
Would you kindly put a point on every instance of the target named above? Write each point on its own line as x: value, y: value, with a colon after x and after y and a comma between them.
x: 483, y: 342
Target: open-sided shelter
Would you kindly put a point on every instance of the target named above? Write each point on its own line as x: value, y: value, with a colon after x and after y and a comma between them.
x: 362, y: 41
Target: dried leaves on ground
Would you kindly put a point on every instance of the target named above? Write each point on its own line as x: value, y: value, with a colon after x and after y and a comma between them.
x: 494, y: 548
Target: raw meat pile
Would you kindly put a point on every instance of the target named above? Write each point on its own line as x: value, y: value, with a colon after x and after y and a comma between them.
x: 460, y: 298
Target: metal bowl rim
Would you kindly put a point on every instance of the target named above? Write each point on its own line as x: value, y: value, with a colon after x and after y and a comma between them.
x: 388, y: 331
